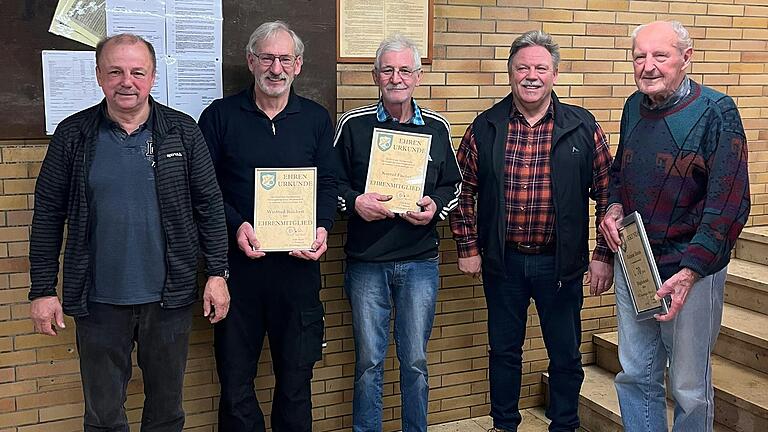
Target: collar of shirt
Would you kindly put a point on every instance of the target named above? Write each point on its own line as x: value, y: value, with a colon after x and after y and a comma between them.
x: 515, y: 113
x: 382, y: 115
x: 682, y: 91
x: 116, y: 128
x: 248, y: 103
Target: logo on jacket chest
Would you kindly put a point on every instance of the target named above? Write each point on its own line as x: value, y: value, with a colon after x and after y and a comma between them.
x: 150, y: 153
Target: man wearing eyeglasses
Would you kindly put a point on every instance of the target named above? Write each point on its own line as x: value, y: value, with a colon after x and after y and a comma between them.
x: 276, y: 293
x: 392, y: 258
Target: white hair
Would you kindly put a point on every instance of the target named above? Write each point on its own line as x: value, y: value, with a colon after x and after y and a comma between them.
x: 397, y: 42
x: 684, y: 40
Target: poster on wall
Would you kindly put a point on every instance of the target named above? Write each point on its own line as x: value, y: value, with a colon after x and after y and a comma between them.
x: 363, y: 24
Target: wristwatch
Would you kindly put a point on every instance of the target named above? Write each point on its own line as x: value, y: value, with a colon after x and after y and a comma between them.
x: 223, y: 273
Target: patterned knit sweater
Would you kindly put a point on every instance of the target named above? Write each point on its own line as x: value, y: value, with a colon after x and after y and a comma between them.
x: 684, y: 169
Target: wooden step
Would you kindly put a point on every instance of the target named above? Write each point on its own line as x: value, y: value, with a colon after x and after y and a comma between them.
x: 599, y: 405
x: 607, y: 351
x: 741, y: 396
x: 747, y: 285
x: 753, y: 245
x: 744, y: 338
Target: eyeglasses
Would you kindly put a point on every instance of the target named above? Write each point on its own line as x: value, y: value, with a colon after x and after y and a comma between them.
x: 269, y: 59
x: 406, y: 73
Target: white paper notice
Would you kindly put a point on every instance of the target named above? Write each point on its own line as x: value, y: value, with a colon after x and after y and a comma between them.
x: 80, y: 20
x: 194, y: 28
x: 200, y: 8
x: 193, y: 84
x: 197, y: 36
x: 145, y: 18
x: 69, y: 85
x: 160, y: 90
x: 146, y: 7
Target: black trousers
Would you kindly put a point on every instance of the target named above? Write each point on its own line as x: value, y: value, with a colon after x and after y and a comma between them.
x: 276, y: 295
x: 105, y: 339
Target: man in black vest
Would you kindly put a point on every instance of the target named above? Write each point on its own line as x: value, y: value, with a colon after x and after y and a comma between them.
x: 530, y: 164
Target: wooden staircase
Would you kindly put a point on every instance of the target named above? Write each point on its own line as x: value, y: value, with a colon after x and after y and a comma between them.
x: 739, y: 361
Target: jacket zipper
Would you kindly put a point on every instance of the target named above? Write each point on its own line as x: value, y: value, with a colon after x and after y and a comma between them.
x: 162, y: 223
x: 86, y: 170
x: 554, y: 208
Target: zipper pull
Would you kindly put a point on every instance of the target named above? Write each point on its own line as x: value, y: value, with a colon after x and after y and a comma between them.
x: 273, y: 129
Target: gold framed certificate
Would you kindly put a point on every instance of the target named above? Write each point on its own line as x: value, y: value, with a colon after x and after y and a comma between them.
x: 642, y: 276
x: 362, y: 24
x: 398, y: 167
x: 284, y: 208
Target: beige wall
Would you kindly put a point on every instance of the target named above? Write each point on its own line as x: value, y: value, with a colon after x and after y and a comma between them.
x: 39, y: 380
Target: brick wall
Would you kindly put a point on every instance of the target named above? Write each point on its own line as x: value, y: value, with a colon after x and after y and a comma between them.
x: 39, y: 380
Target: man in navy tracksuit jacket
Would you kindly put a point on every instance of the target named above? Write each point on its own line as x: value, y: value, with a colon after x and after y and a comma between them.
x: 393, y: 256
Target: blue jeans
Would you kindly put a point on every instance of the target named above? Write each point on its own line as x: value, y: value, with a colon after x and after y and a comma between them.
x: 687, y: 341
x: 559, y: 307
x: 372, y: 288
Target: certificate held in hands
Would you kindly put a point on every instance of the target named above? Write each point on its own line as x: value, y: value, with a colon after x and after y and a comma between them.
x: 398, y: 167
x: 284, y: 208
x: 636, y: 258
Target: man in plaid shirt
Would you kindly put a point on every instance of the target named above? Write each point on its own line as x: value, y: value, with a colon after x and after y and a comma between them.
x: 530, y: 164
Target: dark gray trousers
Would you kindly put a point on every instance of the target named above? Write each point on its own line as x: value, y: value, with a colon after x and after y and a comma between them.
x: 105, y: 339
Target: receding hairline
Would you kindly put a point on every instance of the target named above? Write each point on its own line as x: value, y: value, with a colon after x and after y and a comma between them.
x: 682, y: 38
x: 126, y: 39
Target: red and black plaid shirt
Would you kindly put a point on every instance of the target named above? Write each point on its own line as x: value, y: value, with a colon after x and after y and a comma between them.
x: 527, y: 186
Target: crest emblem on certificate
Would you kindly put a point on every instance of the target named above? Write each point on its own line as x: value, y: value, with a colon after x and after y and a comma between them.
x: 385, y: 142
x: 268, y: 179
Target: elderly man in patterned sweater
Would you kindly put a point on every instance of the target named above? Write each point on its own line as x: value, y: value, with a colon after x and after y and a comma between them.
x: 681, y: 164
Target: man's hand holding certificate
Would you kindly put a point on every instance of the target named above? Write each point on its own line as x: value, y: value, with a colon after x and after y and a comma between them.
x: 398, y: 168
